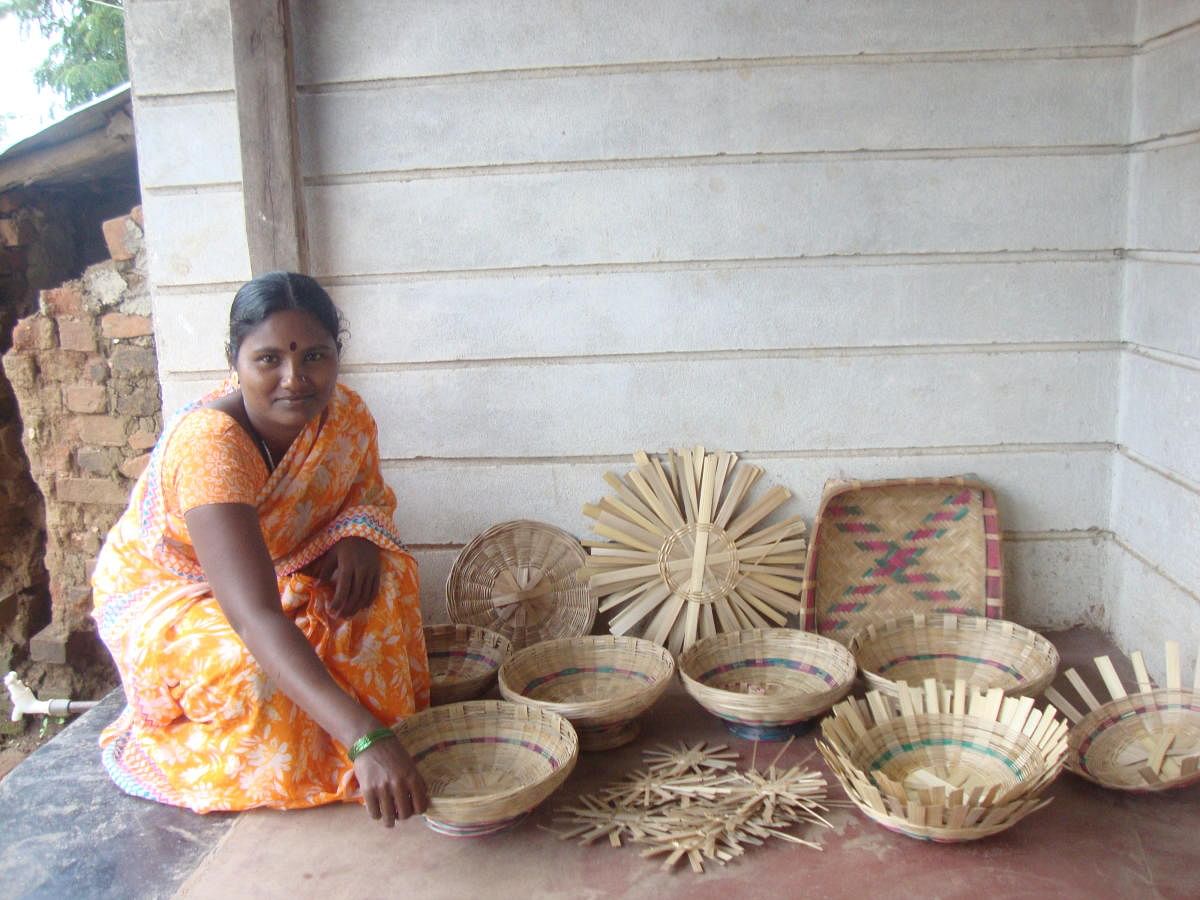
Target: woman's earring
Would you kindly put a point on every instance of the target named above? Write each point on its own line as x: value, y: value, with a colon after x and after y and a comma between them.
x: 233, y: 378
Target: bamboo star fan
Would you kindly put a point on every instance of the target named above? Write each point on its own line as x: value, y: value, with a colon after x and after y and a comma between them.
x: 682, y: 559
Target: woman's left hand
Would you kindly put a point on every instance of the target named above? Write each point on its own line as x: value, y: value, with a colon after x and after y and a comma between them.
x: 352, y: 566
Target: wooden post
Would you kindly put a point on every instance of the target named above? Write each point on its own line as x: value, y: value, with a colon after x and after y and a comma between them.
x: 272, y: 186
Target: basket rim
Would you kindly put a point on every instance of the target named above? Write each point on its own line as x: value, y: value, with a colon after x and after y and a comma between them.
x: 553, y: 721
x: 587, y: 708
x: 975, y: 626
x: 834, y: 487
x: 1114, y: 713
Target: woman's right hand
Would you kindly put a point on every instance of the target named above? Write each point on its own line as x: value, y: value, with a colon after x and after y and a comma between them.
x: 389, y: 781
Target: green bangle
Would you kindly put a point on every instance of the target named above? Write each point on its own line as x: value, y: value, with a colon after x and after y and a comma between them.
x: 368, y: 740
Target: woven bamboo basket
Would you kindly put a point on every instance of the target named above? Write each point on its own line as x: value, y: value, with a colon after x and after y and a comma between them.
x: 944, y: 764
x: 986, y: 653
x: 884, y: 548
x: 601, y: 684
x: 1143, y: 740
x: 521, y: 579
x: 764, y: 682
x: 463, y: 661
x: 487, y: 763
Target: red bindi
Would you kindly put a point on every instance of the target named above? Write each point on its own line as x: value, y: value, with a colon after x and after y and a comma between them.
x: 292, y: 345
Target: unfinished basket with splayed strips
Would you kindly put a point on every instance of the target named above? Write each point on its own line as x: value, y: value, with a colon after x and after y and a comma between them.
x: 522, y: 579
x: 884, y: 548
x: 487, y: 763
x: 763, y: 682
x: 985, y: 653
x: 463, y: 661
x: 1142, y: 740
x: 944, y: 764
x: 601, y: 684
x: 683, y: 560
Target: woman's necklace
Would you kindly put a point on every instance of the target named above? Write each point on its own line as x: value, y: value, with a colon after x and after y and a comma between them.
x: 267, y: 450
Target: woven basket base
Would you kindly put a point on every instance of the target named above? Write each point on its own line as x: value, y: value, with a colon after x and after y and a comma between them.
x: 768, y: 732
x: 937, y: 835
x: 609, y: 736
x: 460, y: 831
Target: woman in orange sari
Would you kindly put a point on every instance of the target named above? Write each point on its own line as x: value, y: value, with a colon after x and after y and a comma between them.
x: 261, y: 610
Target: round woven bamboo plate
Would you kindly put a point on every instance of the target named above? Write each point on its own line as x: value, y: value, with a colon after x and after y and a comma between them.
x: 601, y: 684
x: 1143, y: 740
x: 686, y: 554
x: 986, y: 653
x: 763, y: 682
x: 487, y: 763
x: 884, y: 548
x: 463, y: 661
x: 944, y: 764
x: 521, y: 579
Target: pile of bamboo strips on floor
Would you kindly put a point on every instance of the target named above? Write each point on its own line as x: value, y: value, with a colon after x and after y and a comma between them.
x: 694, y: 802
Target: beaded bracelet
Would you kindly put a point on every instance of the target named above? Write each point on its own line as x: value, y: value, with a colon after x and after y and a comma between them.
x: 368, y: 740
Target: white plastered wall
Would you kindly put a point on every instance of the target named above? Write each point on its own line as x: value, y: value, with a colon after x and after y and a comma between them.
x: 859, y: 239
x: 1156, y: 468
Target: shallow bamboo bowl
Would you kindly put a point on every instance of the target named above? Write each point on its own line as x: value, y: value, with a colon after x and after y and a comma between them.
x: 986, y: 653
x: 602, y: 683
x: 487, y: 763
x: 763, y: 682
x: 941, y: 764
x: 463, y: 661
x: 1144, y: 740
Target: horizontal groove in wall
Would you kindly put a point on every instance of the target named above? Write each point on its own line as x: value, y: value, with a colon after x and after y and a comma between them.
x: 1165, y: 141
x: 188, y: 190
x: 801, y: 157
x: 1016, y: 537
x: 753, y: 456
x: 837, y: 260
x: 702, y: 65
x: 1172, y: 257
x: 1169, y: 37
x: 1154, y: 567
x: 1174, y: 477
x: 188, y: 99
x: 1166, y: 357
x: 705, y: 356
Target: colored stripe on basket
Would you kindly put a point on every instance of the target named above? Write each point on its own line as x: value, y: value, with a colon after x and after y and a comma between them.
x: 937, y: 595
x: 925, y: 657
x: 1129, y: 713
x: 769, y: 662
x: 909, y: 746
x: 586, y: 670
x: 462, y: 654
x: 455, y: 742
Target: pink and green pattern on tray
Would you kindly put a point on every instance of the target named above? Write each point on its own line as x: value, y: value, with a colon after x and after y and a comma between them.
x: 465, y: 655
x: 571, y: 671
x: 909, y: 550
x: 769, y: 662
x: 487, y: 739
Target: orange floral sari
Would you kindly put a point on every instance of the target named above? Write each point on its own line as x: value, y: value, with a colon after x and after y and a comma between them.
x: 203, y: 727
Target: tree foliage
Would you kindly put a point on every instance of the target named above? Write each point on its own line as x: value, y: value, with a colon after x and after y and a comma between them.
x: 89, y: 56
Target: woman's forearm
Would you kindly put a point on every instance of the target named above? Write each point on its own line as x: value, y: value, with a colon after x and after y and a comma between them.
x: 234, y: 557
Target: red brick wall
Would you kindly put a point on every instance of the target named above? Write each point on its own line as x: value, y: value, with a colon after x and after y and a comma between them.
x: 85, y: 375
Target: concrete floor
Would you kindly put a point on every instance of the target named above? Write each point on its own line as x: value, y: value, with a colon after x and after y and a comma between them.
x: 1088, y: 843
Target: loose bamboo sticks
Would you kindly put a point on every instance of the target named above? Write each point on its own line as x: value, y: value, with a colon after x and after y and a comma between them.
x: 692, y: 803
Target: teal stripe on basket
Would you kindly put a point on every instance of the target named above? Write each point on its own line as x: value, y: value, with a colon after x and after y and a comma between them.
x: 585, y: 670
x: 461, y: 654
x: 770, y: 662
x: 944, y: 742
x: 925, y: 657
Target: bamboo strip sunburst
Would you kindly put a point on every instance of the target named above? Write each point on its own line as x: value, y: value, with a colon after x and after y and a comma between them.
x: 682, y: 560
